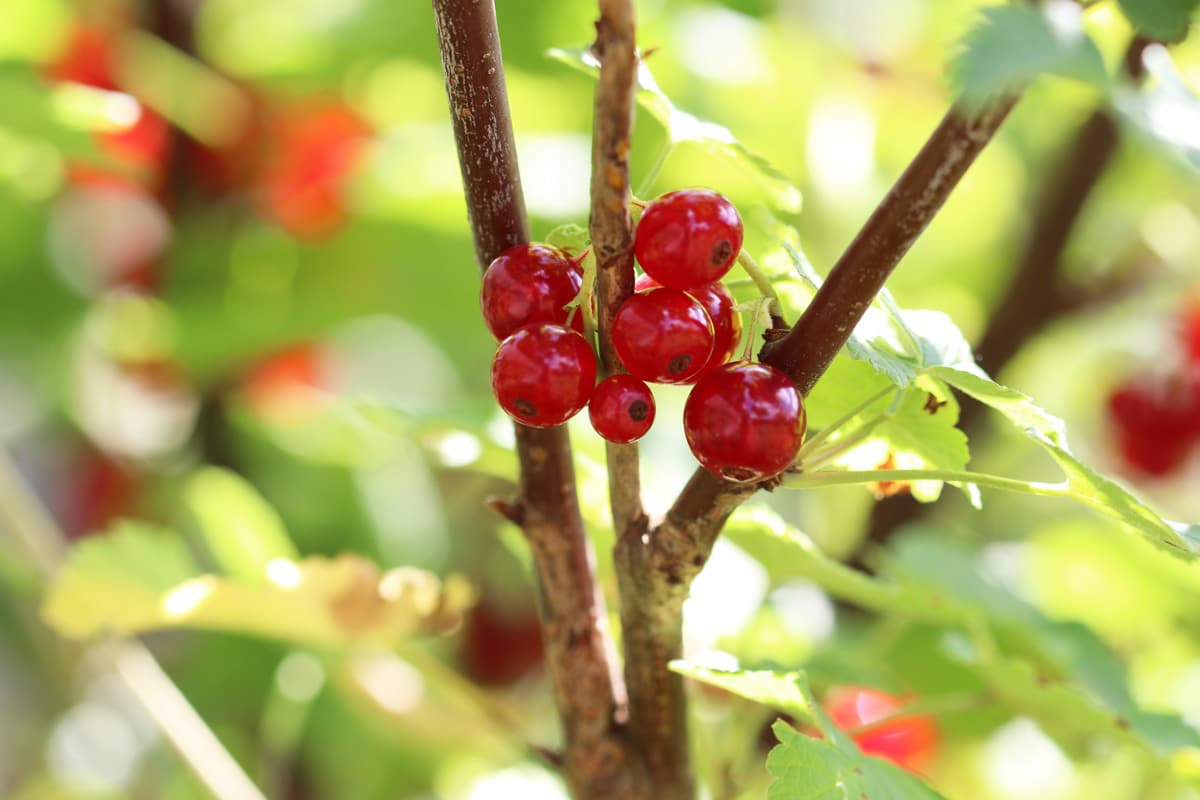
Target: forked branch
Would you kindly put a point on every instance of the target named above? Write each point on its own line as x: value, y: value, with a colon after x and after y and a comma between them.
x: 666, y: 561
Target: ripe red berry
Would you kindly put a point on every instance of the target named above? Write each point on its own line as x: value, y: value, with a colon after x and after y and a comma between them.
x: 621, y: 409
x: 663, y: 336
x: 688, y: 237
x: 543, y: 374
x: 1156, y: 422
x: 744, y: 421
x: 529, y: 283
x: 1190, y: 332
x: 727, y: 322
x: 907, y: 741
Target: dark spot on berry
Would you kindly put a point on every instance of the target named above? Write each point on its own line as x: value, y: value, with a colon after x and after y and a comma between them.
x: 679, y: 364
x: 722, y: 252
x: 638, y: 410
x: 738, y: 473
x: 524, y: 407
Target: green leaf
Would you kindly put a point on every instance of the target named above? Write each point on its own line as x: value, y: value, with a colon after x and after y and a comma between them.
x: 779, y: 690
x: 238, y: 527
x: 138, y: 579
x: 1012, y: 45
x: 1084, y: 483
x: 921, y: 433
x: 806, y: 768
x: 1164, y: 20
x: 115, y: 577
x: 788, y: 553
x: 570, y: 237
x: 684, y: 127
x: 1078, y: 689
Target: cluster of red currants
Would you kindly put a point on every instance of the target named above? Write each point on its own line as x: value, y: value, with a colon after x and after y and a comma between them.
x: 1157, y: 417
x: 744, y: 421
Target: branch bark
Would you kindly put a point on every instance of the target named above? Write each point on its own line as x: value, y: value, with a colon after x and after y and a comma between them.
x: 578, y: 648
x: 663, y: 563
x: 611, y: 227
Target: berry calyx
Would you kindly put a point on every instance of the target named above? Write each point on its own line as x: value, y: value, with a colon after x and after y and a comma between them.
x: 621, y: 409
x: 663, y: 336
x: 744, y: 421
x: 543, y: 374
x: 688, y: 237
x: 907, y: 741
x: 529, y: 283
x: 727, y: 322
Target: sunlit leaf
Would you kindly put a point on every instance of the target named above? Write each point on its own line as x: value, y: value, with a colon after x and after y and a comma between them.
x: 1164, y: 20
x: 807, y: 768
x: 1166, y: 112
x: 779, y: 690
x: 684, y: 127
x: 1012, y: 45
x: 237, y: 525
x: 136, y: 579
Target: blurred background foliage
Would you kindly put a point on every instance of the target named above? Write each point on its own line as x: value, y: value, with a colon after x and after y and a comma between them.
x: 239, y: 328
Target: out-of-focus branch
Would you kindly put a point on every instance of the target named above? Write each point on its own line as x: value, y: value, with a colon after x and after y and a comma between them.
x: 578, y: 649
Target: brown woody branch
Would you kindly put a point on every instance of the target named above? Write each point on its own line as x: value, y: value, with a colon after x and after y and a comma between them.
x: 611, y: 226
x: 1034, y: 297
x: 578, y: 649
x: 667, y: 560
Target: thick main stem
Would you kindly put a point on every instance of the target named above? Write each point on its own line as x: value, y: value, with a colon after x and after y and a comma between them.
x: 578, y: 649
x: 669, y: 558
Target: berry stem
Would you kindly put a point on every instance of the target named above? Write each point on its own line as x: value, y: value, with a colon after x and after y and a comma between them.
x: 820, y: 436
x: 818, y: 456
x: 579, y: 651
x: 762, y: 282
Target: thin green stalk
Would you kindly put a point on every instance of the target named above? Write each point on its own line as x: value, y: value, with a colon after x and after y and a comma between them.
x: 841, y: 445
x: 823, y: 434
x: 762, y: 282
x: 834, y: 478
x: 659, y: 162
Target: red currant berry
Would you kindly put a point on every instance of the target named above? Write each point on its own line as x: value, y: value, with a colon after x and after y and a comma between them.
x: 543, y: 374
x: 529, y: 283
x: 663, y: 336
x: 1190, y: 325
x: 727, y: 322
x: 744, y: 421
x: 907, y: 741
x: 621, y: 409
x: 687, y: 238
x: 1156, y: 422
